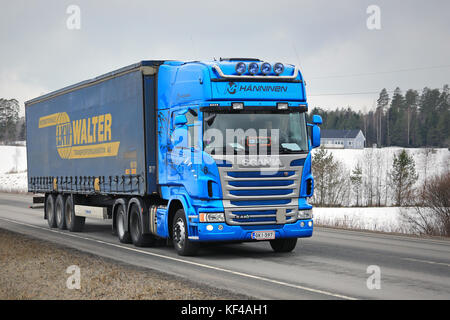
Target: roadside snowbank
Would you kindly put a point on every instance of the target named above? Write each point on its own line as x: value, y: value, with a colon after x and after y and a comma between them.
x: 385, y: 219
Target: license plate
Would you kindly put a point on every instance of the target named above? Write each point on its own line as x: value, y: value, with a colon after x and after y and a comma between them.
x: 263, y: 235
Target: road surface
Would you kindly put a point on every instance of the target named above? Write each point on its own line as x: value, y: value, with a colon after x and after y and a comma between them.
x: 333, y: 264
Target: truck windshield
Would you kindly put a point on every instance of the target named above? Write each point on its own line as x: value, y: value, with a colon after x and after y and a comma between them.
x: 247, y: 132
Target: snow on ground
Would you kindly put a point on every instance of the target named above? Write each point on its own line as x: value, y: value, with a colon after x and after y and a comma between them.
x: 385, y: 219
x: 13, y: 167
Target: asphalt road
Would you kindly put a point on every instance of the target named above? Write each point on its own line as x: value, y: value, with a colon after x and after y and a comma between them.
x: 333, y: 264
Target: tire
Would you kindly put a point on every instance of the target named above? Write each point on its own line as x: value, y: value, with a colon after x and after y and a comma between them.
x: 283, y: 245
x: 124, y: 236
x: 50, y: 210
x: 73, y: 223
x: 181, y: 242
x: 59, y: 212
x: 136, y: 231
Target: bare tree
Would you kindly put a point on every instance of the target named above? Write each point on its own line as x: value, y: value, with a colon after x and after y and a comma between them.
x: 431, y: 213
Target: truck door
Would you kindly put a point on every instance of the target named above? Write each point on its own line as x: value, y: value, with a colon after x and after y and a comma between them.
x: 184, y: 143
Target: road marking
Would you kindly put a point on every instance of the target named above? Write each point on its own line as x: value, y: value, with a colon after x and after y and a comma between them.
x: 246, y: 275
x: 426, y: 261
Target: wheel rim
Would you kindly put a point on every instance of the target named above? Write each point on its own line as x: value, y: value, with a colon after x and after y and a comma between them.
x: 49, y: 210
x: 68, y: 213
x: 179, y: 233
x: 120, y: 227
x: 134, y: 225
x: 58, y: 214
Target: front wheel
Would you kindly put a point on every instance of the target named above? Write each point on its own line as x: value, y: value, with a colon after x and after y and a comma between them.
x: 181, y: 242
x: 283, y: 245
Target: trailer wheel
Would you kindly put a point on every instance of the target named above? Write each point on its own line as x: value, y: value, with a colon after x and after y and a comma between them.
x: 283, y: 245
x: 50, y: 210
x: 73, y: 223
x: 138, y: 238
x: 59, y: 212
x: 124, y: 236
x: 181, y: 242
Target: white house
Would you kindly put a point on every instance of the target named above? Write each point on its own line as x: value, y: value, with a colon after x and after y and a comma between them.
x: 342, y: 139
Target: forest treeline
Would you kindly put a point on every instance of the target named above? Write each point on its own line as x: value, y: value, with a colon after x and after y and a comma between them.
x: 411, y: 119
x: 12, y: 126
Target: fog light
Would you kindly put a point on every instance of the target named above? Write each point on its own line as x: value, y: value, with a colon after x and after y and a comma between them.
x: 302, y: 224
x: 209, y: 227
x: 310, y: 224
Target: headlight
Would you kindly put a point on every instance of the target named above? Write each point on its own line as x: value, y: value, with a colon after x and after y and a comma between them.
x: 212, y: 217
x: 305, y: 214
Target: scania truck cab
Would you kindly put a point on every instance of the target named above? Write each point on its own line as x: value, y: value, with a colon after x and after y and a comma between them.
x: 191, y: 152
x: 234, y: 150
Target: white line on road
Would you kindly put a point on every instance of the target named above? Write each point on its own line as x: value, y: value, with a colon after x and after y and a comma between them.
x: 191, y: 262
x: 426, y: 261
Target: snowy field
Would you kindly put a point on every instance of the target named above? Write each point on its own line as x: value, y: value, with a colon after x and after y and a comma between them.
x: 385, y: 219
x: 13, y: 178
x: 13, y: 169
x: 429, y: 162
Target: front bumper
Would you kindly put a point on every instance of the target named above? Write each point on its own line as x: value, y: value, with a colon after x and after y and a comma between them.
x: 243, y: 233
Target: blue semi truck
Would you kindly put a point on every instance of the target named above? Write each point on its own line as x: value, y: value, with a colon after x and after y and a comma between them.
x: 190, y: 152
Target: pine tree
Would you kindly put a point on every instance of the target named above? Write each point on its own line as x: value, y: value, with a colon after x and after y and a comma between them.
x: 402, y: 176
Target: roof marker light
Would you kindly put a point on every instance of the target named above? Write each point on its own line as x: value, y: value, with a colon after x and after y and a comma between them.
x: 282, y: 106
x: 238, y: 105
x: 241, y: 68
x: 266, y: 68
x: 278, y: 68
x: 253, y: 68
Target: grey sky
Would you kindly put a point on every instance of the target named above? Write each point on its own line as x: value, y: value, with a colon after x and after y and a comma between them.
x: 327, y: 39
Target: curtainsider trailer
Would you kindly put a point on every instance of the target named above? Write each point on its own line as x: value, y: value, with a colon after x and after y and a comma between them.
x: 191, y: 152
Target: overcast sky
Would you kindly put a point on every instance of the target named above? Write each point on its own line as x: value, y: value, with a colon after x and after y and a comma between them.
x: 329, y: 40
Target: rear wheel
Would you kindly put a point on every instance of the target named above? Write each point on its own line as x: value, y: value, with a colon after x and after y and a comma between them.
x: 59, y: 212
x: 124, y: 236
x: 50, y: 210
x: 181, y: 242
x: 283, y: 245
x: 136, y: 231
x: 73, y: 223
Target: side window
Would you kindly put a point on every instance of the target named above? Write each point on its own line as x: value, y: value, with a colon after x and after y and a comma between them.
x: 193, y: 126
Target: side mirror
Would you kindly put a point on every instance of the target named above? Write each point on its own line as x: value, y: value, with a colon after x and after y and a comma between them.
x: 315, y: 136
x: 180, y: 120
x: 316, y: 119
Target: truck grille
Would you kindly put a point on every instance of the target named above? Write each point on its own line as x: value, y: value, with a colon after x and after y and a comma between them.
x: 252, y: 196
